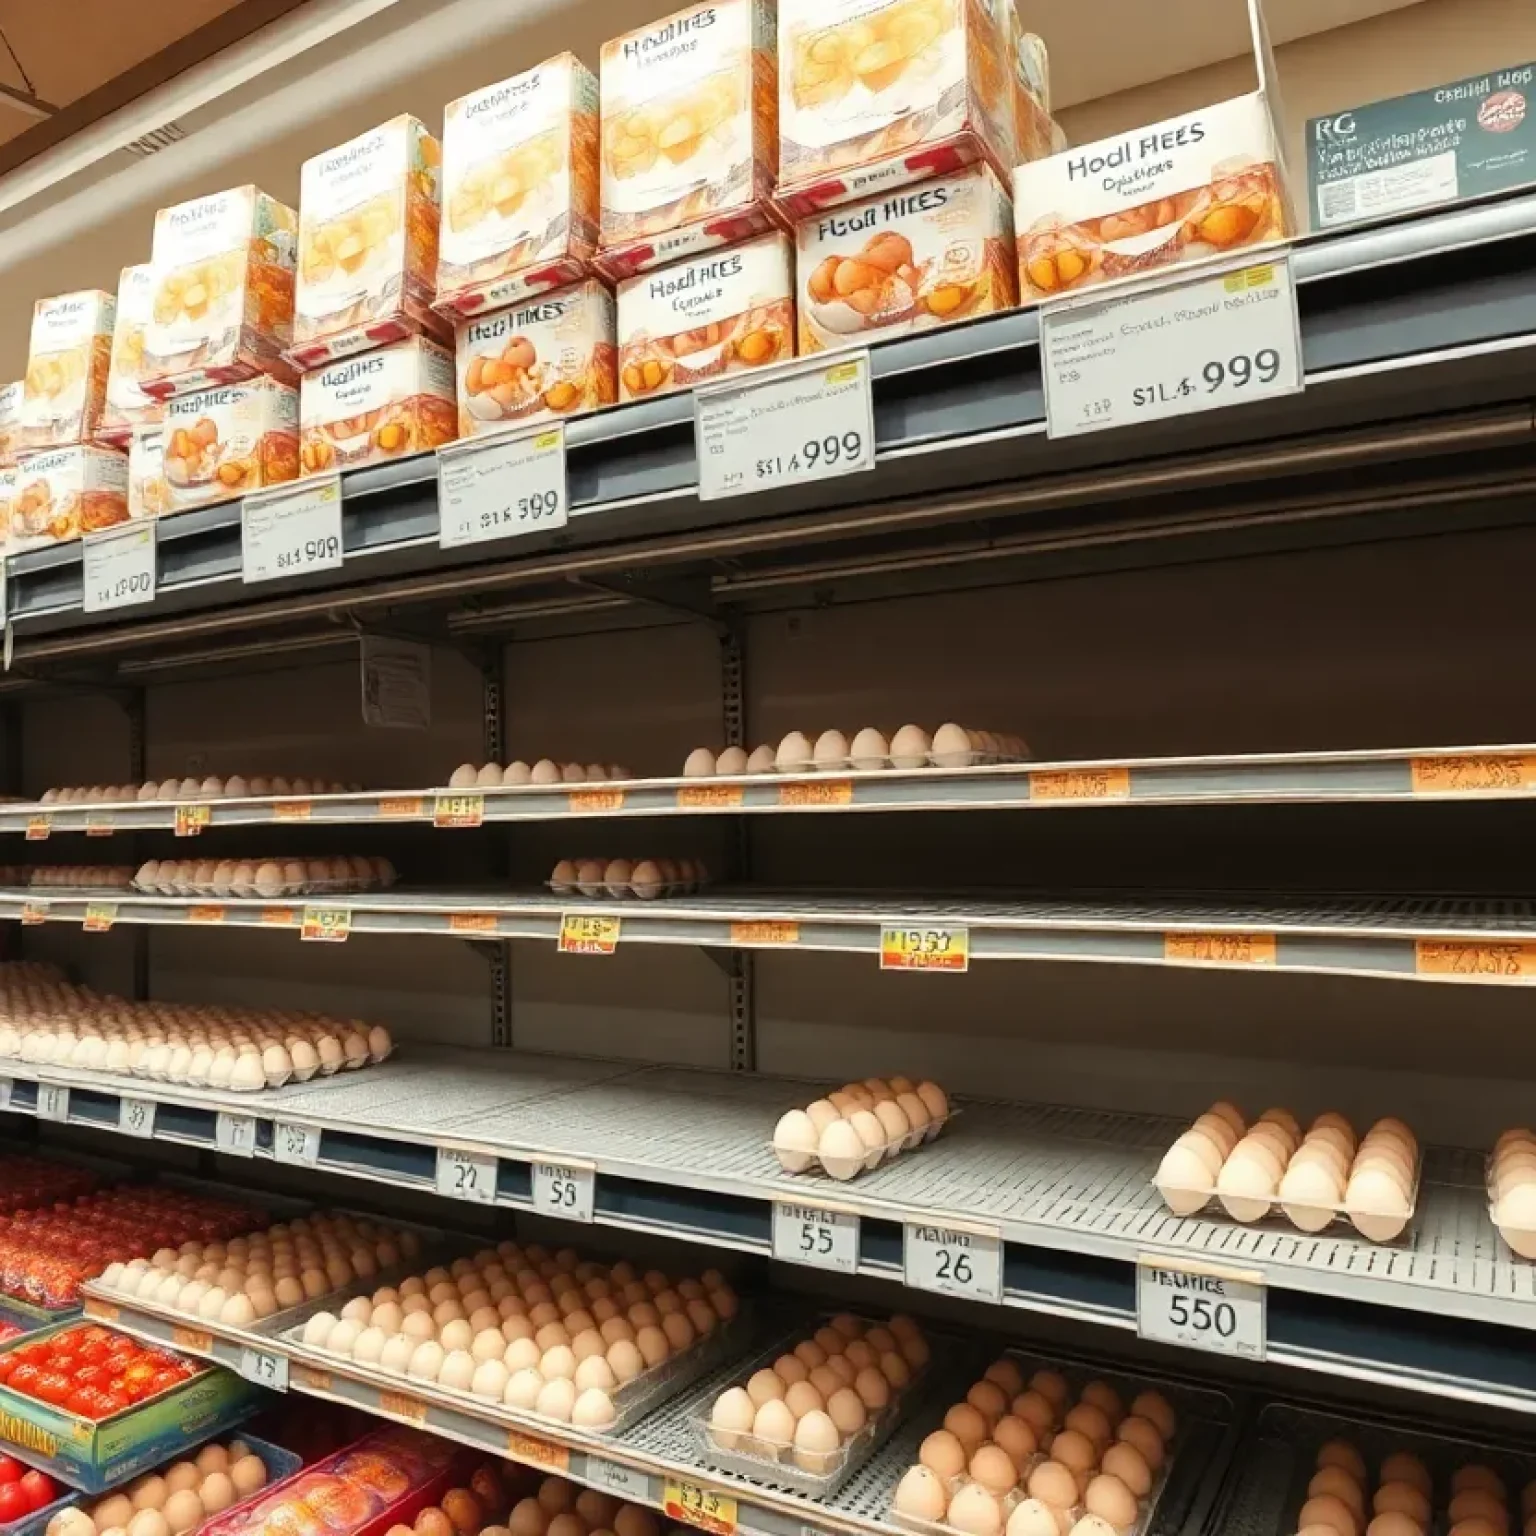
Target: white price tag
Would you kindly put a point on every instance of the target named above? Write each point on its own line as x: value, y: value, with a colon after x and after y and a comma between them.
x: 119, y: 567
x: 136, y: 1117
x: 564, y: 1189
x: 291, y: 530
x: 499, y: 487
x: 296, y: 1144
x: 464, y: 1176
x: 1201, y: 1307
x: 1217, y: 339
x: 953, y: 1261
x: 809, y: 420
x: 235, y: 1134
x: 628, y: 1482
x: 5, y: 1092
x: 814, y: 1235
x: 265, y: 1370
x: 52, y: 1102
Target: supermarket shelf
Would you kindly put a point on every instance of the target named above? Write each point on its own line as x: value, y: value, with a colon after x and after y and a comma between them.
x: 1420, y: 773
x: 1392, y: 325
x: 1442, y: 939
x: 685, y: 1153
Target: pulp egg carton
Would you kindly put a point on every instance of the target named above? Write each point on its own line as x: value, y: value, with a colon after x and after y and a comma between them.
x: 1514, y: 1151
x: 778, y: 1463
x: 868, y: 750
x: 250, y: 878
x: 628, y: 879
x: 795, y: 1158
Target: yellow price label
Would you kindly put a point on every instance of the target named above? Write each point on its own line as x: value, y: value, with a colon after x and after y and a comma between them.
x: 710, y: 797
x: 1470, y: 960
x: 195, y: 1339
x: 309, y: 1376
x: 191, y: 819
x: 817, y: 793
x: 471, y: 922
x: 400, y: 808
x: 206, y: 914
x: 535, y: 1452
x: 102, y: 1311
x: 1219, y: 948
x: 1249, y: 277
x: 292, y: 810
x: 702, y: 1508
x: 842, y: 373
x: 547, y: 440
x: 99, y: 916
x: 595, y: 800
x: 929, y: 948
x: 400, y: 1405
x: 327, y: 925
x: 39, y: 828
x: 1482, y: 774
x: 34, y: 912
x: 1081, y: 784
x: 581, y: 934
x: 99, y: 824
x: 278, y: 917
x: 458, y: 810
x: 764, y: 935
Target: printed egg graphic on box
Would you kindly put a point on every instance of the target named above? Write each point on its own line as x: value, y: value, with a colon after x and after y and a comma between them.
x: 378, y: 406
x: 220, y: 443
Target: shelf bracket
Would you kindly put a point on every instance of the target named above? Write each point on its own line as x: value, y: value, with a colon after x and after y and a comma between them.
x: 682, y: 597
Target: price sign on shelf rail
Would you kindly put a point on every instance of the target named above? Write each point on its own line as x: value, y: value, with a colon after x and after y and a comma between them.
x: 466, y: 1176
x: 1200, y: 1307
x: 235, y: 1135
x: 565, y: 1189
x: 1194, y: 344
x: 119, y: 567
x: 296, y: 1144
x: 954, y: 1261
x: 809, y: 420
x: 270, y: 1371
x: 499, y: 487
x: 817, y: 1236
x: 291, y: 530
x: 136, y: 1117
x: 52, y: 1102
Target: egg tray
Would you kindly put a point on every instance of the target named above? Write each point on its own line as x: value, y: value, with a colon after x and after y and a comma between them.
x: 779, y: 1468
x: 1523, y: 1244
x: 1275, y: 1219
x: 273, y: 1079
x: 1277, y: 1459
x: 248, y: 890
x: 908, y: 1143
x: 602, y: 892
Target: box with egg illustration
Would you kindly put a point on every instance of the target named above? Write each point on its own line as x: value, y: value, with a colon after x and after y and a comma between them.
x: 368, y: 216
x: 875, y: 93
x: 364, y: 410
x: 127, y: 406
x: 905, y: 261
x: 519, y: 188
x: 222, y: 307
x: 66, y: 380
x: 11, y: 397
x: 8, y: 482
x: 94, y: 1454
x: 720, y: 313
x: 146, y: 474
x: 65, y: 492
x: 554, y: 356
x: 1196, y: 186
x: 221, y: 443
x: 690, y: 145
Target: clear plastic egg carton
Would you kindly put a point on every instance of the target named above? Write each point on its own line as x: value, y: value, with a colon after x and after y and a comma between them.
x: 1518, y: 1228
x: 258, y: 879
x: 1277, y: 1460
x: 1205, y: 1423
x: 797, y: 1161
x: 772, y: 1462
x: 866, y: 751
x: 80, y: 877
x: 628, y: 879
x: 272, y: 1078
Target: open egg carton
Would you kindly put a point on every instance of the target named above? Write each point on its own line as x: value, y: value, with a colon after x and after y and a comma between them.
x: 1325, y: 1178
x: 546, y: 772
x: 1298, y: 1465
x: 859, y: 1126
x: 212, y: 787
x: 1511, y: 1182
x: 1043, y: 1446
x: 866, y: 751
x: 340, y: 875
x: 447, y: 1364
x: 628, y: 879
x: 798, y: 1445
x: 80, y: 877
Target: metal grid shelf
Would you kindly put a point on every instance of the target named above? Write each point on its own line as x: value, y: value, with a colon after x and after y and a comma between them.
x: 1424, y: 773
x: 1445, y: 939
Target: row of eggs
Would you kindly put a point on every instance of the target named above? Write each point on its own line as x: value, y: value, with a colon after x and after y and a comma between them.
x: 560, y: 1508
x: 815, y: 1397
x: 1512, y: 1189
x: 172, y: 1502
x: 623, y: 878
x: 81, y: 877
x: 264, y: 877
x: 951, y: 746
x: 212, y: 787
x: 545, y: 771
x: 1315, y: 1177
x: 859, y: 1126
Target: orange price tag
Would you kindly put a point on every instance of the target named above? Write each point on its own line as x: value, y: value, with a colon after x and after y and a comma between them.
x: 1219, y: 948
x: 308, y: 1376
x: 1481, y: 774
x: 191, y: 819
x: 194, y: 1339
x: 1081, y: 784
x: 458, y: 810
x: 471, y: 922
x: 595, y: 800
x: 327, y: 925
x: 400, y: 807
x: 278, y: 917
x: 400, y: 1406
x: 292, y: 810
x: 534, y: 1452
x: 102, y: 1311
x: 582, y: 935
x: 925, y: 949
x: 1465, y: 960
x: 702, y: 1508
x: 38, y: 828
x: 710, y: 797
x: 209, y: 914
x: 818, y: 792
x: 99, y: 824
x: 34, y: 912
x: 99, y: 916
x: 765, y: 934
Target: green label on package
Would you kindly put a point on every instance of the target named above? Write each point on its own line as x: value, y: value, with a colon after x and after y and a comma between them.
x: 1465, y: 139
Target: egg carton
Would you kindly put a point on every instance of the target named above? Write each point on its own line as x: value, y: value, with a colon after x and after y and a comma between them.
x: 767, y: 1461
x: 601, y: 890
x: 277, y: 1079
x: 872, y: 1160
x: 1383, y: 1227
x: 250, y: 889
x: 857, y: 755
x: 1520, y: 1240
x: 1200, y: 1410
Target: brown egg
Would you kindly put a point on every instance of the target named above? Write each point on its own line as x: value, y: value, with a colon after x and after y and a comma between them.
x: 1405, y: 1499
x: 964, y: 1422
x: 1016, y: 1437
x: 463, y: 1509
x: 1053, y: 1484
x: 1326, y: 1509
x: 1124, y: 1461
x: 1108, y: 1498
x: 1074, y: 1450
x: 993, y: 1468
x: 1141, y: 1433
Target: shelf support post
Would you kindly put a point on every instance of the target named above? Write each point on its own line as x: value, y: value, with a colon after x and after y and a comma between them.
x: 733, y: 701
x: 133, y: 707
x: 493, y: 696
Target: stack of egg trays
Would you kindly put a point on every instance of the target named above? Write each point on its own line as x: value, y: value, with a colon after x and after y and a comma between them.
x: 1199, y: 1452
x: 1277, y: 1458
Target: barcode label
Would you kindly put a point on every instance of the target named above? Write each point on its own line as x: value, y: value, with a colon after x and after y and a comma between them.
x: 1336, y: 202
